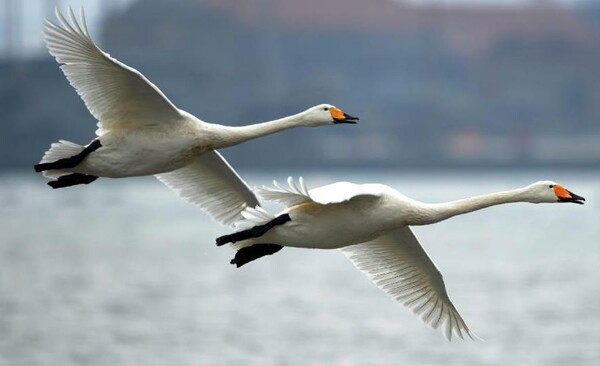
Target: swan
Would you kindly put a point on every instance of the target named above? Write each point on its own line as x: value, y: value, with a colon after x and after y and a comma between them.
x: 140, y: 132
x: 371, y: 224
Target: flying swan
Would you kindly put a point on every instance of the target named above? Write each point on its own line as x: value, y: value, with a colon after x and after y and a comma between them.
x: 140, y: 132
x: 371, y: 223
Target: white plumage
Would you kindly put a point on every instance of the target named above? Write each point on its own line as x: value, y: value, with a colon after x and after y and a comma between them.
x: 370, y: 223
x: 114, y: 93
x: 140, y: 132
x: 400, y: 267
x: 212, y: 184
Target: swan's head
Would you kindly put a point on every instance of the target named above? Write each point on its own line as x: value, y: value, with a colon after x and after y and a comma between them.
x: 550, y: 192
x: 324, y: 114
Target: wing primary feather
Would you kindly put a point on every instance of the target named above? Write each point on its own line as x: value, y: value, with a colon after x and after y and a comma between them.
x: 65, y: 23
x: 423, y: 306
x: 303, y: 186
x: 211, y: 183
x: 398, y: 265
x: 457, y: 329
x: 416, y: 299
x: 448, y: 327
x: 86, y: 30
x: 296, y: 187
x: 429, y: 315
x: 74, y: 21
x: 115, y: 94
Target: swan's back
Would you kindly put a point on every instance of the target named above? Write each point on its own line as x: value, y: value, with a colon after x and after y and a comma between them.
x: 344, y: 191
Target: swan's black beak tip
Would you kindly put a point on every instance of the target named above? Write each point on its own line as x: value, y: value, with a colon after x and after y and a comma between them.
x: 575, y: 198
x: 347, y: 119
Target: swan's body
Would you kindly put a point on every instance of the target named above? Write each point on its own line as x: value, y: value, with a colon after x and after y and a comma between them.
x: 343, y: 213
x: 164, y: 147
x: 140, y: 132
x: 155, y: 150
x: 371, y: 224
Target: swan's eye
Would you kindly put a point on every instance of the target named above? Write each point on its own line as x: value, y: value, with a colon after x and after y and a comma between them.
x: 551, y: 186
x: 325, y: 109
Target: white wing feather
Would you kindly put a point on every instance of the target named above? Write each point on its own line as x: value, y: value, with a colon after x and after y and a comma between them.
x: 399, y: 266
x: 344, y: 191
x: 211, y: 183
x: 297, y: 193
x: 253, y: 216
x: 115, y: 94
x: 292, y: 195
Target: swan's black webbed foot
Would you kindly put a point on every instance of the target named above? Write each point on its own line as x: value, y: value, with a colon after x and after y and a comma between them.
x: 248, y: 254
x: 71, y: 180
x: 254, y: 232
x: 70, y: 162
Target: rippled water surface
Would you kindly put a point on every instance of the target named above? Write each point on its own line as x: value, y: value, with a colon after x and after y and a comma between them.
x: 122, y: 272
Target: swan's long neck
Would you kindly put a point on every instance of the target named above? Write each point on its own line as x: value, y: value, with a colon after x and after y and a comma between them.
x: 430, y: 213
x: 231, y: 135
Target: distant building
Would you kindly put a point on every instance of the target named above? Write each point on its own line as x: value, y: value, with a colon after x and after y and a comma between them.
x: 414, y: 71
x: 434, y: 86
x: 465, y: 29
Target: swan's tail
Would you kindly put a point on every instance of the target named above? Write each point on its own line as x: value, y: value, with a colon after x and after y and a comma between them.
x: 60, y: 150
x: 247, y: 240
x: 252, y: 217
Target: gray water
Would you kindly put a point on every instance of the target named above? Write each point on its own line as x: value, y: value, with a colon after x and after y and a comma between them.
x: 122, y: 272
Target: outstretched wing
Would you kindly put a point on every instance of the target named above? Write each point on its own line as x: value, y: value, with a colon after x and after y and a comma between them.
x: 297, y: 193
x: 115, y: 94
x: 399, y: 266
x: 211, y: 183
x: 294, y: 194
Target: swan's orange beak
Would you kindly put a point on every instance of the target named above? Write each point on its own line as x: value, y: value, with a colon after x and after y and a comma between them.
x: 564, y: 195
x: 340, y: 117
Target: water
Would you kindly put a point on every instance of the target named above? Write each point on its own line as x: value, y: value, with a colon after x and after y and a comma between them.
x: 122, y: 272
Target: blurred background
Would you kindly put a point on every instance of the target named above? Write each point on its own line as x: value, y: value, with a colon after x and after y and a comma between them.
x: 456, y: 98
x: 437, y: 83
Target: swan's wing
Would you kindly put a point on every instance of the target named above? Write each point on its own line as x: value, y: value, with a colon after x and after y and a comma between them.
x: 399, y: 266
x: 297, y: 193
x: 115, y: 94
x: 292, y: 195
x: 344, y: 191
x: 212, y: 184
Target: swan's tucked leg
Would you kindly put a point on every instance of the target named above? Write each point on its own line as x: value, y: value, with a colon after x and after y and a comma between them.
x: 71, y: 180
x: 248, y: 254
x: 255, y: 232
x: 70, y: 162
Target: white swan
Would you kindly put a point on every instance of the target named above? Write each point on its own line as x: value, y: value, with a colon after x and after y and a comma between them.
x: 140, y: 132
x: 371, y: 224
